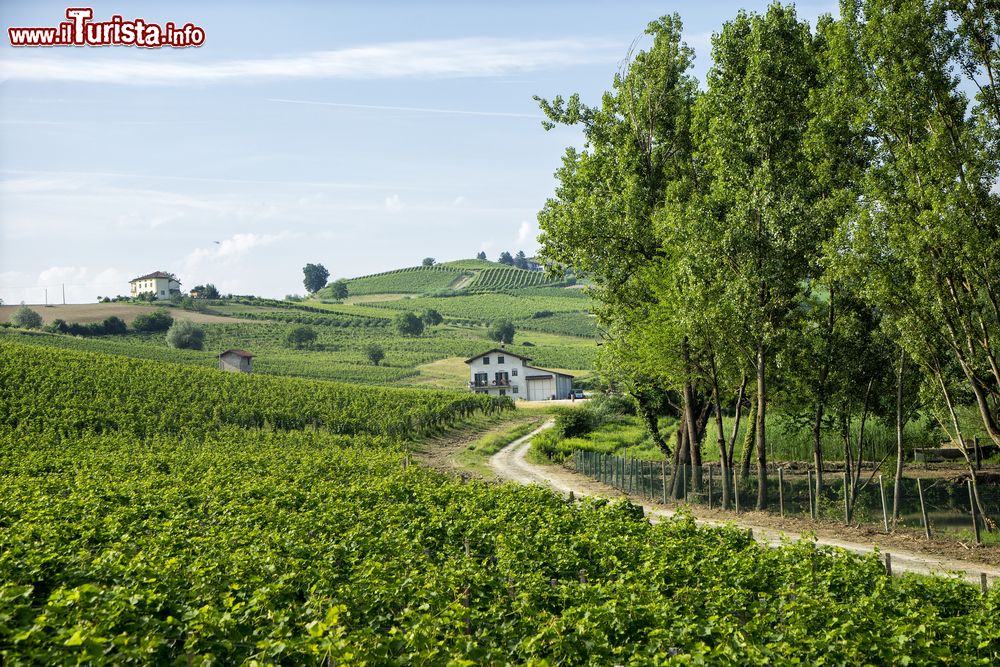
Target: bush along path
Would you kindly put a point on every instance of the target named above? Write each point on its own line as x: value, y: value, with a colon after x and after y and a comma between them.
x: 511, y: 464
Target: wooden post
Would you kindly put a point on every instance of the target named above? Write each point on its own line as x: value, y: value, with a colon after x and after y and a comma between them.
x: 663, y: 478
x: 781, y: 491
x: 888, y: 564
x: 983, y: 583
x: 736, y: 492
x: 812, y: 508
x: 583, y: 576
x: 975, y: 512
x: 885, y: 512
x: 847, y: 500
x: 923, y: 509
x: 468, y: 549
x: 709, y: 486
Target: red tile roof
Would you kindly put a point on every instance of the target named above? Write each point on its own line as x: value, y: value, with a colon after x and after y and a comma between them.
x: 151, y: 276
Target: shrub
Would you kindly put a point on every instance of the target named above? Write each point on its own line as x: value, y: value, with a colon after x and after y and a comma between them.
x: 431, y: 317
x: 26, y: 318
x: 571, y: 423
x: 502, y: 331
x: 375, y: 353
x: 158, y: 320
x: 408, y: 324
x: 301, y: 337
x: 186, y: 335
x: 114, y: 326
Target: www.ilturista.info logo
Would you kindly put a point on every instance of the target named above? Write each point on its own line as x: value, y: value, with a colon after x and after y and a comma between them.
x: 80, y: 30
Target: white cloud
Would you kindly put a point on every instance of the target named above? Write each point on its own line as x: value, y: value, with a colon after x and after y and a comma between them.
x: 459, y: 200
x: 526, y: 232
x: 470, y: 57
x: 380, y: 107
x: 393, y: 203
x: 230, y: 250
x: 82, y: 284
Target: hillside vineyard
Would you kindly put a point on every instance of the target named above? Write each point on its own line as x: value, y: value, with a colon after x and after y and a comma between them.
x: 160, y: 513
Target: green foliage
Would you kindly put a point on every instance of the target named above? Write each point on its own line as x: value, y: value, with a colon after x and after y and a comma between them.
x: 26, y: 318
x: 316, y: 276
x: 339, y: 289
x: 301, y: 337
x: 505, y: 258
x: 431, y: 317
x: 502, y: 331
x: 413, y: 280
x: 428, y: 261
x: 186, y: 335
x: 158, y: 320
x: 375, y: 353
x: 162, y: 513
x: 207, y: 291
x: 409, y: 324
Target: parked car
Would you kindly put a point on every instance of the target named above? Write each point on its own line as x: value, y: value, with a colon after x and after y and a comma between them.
x: 578, y: 393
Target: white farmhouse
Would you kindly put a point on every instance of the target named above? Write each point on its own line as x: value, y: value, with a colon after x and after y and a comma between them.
x: 161, y: 284
x: 500, y: 372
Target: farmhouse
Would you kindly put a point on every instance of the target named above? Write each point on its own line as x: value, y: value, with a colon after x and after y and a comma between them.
x: 502, y: 373
x: 163, y: 285
x: 236, y: 361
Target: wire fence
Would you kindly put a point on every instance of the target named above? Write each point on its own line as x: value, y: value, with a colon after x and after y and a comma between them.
x: 935, y: 505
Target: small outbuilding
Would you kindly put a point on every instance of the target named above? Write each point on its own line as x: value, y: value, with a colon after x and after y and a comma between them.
x: 236, y: 361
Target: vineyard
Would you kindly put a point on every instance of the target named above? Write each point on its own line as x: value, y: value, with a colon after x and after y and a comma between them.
x: 507, y: 278
x: 156, y: 513
x: 415, y: 279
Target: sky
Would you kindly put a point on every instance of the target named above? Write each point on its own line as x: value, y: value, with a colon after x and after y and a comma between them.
x: 364, y: 136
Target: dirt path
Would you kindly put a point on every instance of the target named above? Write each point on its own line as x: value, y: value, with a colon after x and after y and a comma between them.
x: 510, y: 464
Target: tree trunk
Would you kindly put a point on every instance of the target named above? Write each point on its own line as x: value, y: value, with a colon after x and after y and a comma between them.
x: 761, y: 436
x: 748, y: 442
x: 723, y: 451
x: 818, y: 446
x: 651, y: 420
x: 898, y: 478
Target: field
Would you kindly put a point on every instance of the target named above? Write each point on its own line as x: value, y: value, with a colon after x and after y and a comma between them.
x: 343, y: 333
x: 162, y: 513
x: 95, y: 312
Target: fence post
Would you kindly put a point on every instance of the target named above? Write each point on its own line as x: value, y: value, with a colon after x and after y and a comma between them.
x: 710, y: 486
x: 663, y: 479
x: 847, y: 502
x: 923, y: 509
x: 885, y: 513
x: 812, y: 509
x: 736, y: 492
x: 888, y: 564
x: 781, y: 492
x: 975, y: 512
x: 983, y: 583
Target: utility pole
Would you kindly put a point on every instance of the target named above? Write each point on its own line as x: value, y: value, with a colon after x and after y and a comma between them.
x: 46, y: 296
x: 64, y: 293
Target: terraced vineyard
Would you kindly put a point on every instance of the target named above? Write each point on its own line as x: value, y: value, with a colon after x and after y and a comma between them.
x: 507, y: 278
x: 415, y: 279
x: 162, y: 514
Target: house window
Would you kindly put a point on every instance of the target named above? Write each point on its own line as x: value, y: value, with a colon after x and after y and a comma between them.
x: 162, y: 292
x: 514, y: 389
x: 486, y: 361
x: 513, y: 372
x: 503, y: 392
x: 499, y: 360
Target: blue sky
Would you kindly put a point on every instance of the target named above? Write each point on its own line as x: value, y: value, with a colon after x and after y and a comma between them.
x: 364, y: 136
